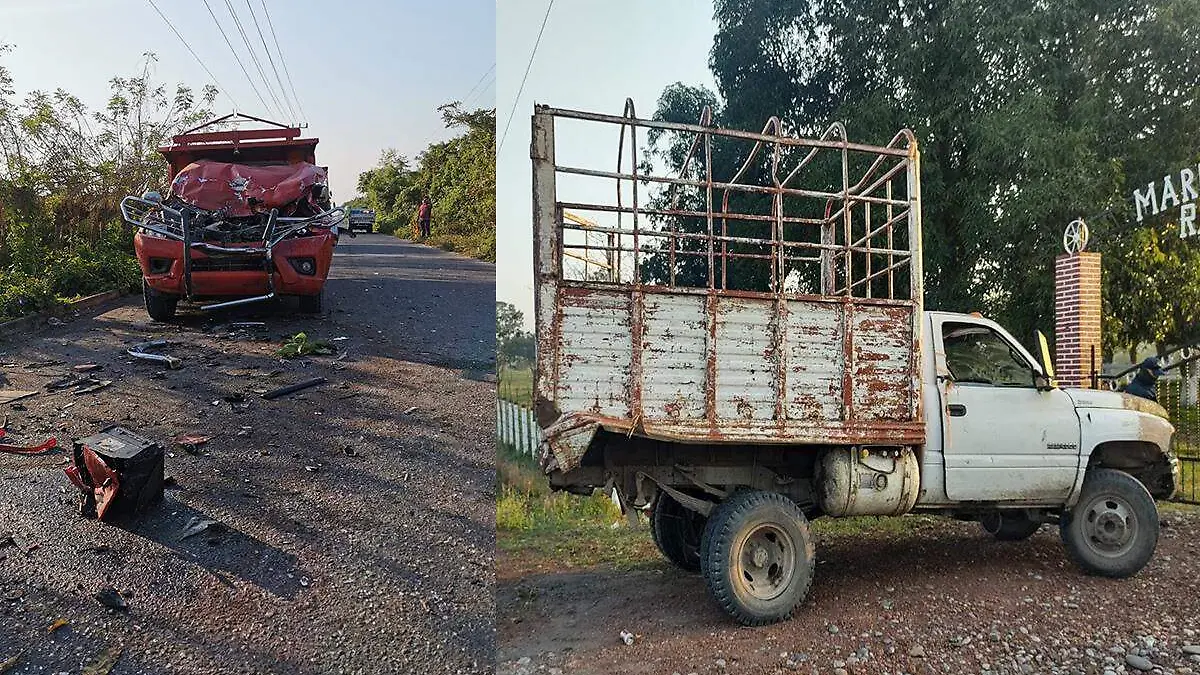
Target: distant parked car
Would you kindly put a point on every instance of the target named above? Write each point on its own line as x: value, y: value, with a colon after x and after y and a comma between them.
x: 361, y: 219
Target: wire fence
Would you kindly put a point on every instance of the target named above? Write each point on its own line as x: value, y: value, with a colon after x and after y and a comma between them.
x: 1185, y: 415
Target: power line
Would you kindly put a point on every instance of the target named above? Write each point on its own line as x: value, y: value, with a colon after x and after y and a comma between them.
x: 193, y: 53
x: 236, y: 58
x: 254, y: 57
x: 479, y: 93
x: 282, y: 91
x: 283, y: 61
x: 489, y: 70
x: 526, y: 76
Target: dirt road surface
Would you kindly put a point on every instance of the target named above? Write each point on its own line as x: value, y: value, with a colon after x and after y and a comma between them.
x: 355, y: 520
x: 944, y: 598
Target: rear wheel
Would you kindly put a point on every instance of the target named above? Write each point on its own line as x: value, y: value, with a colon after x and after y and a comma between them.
x: 1009, y: 526
x: 160, y: 306
x: 757, y: 556
x: 311, y: 304
x: 1113, y: 529
x: 677, y: 532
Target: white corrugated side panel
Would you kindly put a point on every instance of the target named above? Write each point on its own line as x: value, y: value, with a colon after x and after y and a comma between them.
x: 673, y: 358
x: 745, y: 374
x: 594, y: 356
x: 814, y: 366
x: 882, y: 341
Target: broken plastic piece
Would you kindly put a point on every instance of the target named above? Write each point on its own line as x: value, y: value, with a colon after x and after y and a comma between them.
x: 142, y: 351
x: 41, y: 448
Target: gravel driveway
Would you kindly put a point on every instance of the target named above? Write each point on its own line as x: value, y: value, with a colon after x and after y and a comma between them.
x: 944, y: 598
x: 355, y: 520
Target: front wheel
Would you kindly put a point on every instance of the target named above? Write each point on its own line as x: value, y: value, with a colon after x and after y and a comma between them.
x: 160, y: 306
x: 757, y: 556
x: 311, y: 304
x: 1113, y: 529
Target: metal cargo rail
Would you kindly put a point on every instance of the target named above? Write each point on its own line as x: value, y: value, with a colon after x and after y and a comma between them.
x: 775, y: 299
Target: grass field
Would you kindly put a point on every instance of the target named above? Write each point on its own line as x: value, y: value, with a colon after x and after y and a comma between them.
x: 516, y: 385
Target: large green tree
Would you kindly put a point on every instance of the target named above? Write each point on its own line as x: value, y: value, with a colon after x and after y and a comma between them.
x: 1029, y: 114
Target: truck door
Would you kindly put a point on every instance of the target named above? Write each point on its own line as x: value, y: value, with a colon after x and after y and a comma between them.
x: 1004, y: 439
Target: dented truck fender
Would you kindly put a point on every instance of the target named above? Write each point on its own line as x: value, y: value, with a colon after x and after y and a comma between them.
x: 1128, y: 433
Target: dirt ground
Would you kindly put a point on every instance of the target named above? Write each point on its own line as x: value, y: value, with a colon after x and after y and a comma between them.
x: 355, y: 520
x: 940, y: 598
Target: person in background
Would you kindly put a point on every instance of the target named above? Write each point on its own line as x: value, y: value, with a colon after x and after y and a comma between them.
x: 424, y: 211
x: 1144, y: 383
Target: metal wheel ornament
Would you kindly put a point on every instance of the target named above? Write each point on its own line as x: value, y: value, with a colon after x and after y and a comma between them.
x: 1075, y: 238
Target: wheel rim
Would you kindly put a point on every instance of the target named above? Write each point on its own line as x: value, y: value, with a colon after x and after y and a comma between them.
x: 764, y: 561
x: 1110, y: 525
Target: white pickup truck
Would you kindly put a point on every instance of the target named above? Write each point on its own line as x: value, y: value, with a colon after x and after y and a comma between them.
x: 747, y: 351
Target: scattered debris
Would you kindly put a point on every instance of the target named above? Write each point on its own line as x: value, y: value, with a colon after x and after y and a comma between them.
x: 300, y: 345
x: 42, y: 364
x: 8, y: 664
x: 142, y: 351
x: 10, y: 395
x: 55, y: 321
x: 626, y: 637
x: 104, y: 663
x: 82, y: 385
x: 198, y: 525
x: 110, y: 598
x: 340, y: 338
x: 411, y: 410
x: 116, y: 471
x: 292, y: 388
x: 87, y: 367
x: 39, y: 449
x: 244, y: 325
x: 58, y: 623
x: 191, y: 441
x: 90, y: 385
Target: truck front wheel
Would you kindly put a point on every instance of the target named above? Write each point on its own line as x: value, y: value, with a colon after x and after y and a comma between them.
x: 1113, y: 529
x: 160, y: 306
x: 311, y: 304
x: 1009, y: 526
x: 677, y: 532
x: 757, y: 556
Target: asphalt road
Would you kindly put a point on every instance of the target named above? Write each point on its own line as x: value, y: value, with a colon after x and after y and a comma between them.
x: 355, y: 519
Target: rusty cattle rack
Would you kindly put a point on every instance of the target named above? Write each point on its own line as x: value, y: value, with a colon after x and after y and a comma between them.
x: 769, y: 290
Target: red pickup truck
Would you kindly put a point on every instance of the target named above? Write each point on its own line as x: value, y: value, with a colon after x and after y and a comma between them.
x: 248, y: 217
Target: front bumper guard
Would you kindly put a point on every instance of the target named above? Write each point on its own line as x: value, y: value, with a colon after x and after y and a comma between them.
x: 176, y: 224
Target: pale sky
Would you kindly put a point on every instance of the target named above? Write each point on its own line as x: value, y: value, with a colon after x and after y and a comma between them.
x: 593, y: 55
x: 369, y: 74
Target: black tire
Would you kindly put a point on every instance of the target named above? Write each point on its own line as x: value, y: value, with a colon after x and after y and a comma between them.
x: 1113, y: 529
x: 160, y: 306
x: 677, y: 532
x: 1009, y: 525
x: 311, y: 304
x: 757, y: 557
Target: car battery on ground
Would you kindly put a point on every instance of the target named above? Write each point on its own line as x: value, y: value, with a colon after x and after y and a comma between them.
x: 119, y: 473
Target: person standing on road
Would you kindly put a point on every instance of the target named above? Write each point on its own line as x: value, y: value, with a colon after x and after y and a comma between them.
x: 423, y: 214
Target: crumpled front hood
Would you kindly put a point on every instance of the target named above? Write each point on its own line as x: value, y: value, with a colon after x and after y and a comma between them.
x: 1095, y: 398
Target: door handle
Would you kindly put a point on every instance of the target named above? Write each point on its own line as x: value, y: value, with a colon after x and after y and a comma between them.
x: 956, y: 410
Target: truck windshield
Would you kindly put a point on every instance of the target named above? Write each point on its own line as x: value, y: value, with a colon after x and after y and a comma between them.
x: 978, y: 355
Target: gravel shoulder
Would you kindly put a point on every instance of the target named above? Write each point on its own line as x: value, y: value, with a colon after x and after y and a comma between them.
x: 356, y: 519
x: 941, y: 597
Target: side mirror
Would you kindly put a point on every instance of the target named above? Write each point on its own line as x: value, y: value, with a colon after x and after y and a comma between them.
x: 1042, y: 382
x: 1047, y: 374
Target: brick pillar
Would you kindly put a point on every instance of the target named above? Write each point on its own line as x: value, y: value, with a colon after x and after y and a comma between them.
x: 1076, y: 317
